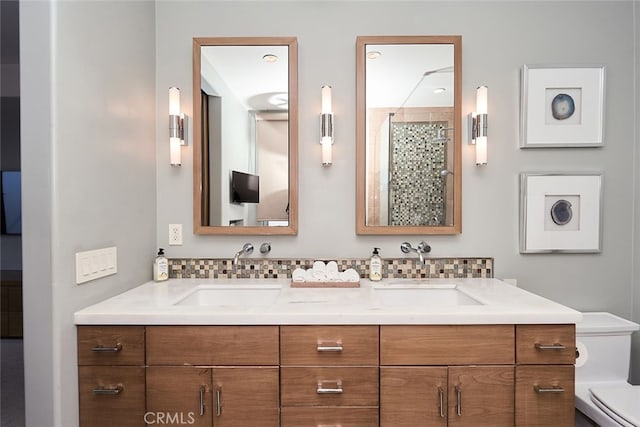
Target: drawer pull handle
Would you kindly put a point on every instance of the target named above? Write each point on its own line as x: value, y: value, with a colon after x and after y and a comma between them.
x: 329, y: 348
x: 458, y: 401
x: 321, y: 389
x: 441, y: 404
x: 552, y: 389
x: 218, y: 401
x: 555, y: 346
x: 112, y: 391
x: 101, y: 349
x: 201, y: 403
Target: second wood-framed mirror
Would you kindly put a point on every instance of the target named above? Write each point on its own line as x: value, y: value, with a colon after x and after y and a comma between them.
x: 408, y: 134
x: 245, y: 149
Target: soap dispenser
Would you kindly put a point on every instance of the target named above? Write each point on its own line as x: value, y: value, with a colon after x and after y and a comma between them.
x: 375, y: 266
x: 160, y: 267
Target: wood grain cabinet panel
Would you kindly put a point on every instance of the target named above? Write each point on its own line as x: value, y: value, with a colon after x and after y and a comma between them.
x: 329, y: 417
x: 545, y: 396
x: 447, y: 344
x: 329, y: 386
x: 213, y: 345
x: 111, y: 396
x: 329, y: 345
x: 545, y: 344
x: 110, y: 345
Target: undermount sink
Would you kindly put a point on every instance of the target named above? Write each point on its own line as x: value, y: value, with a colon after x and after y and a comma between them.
x: 422, y: 295
x: 236, y: 295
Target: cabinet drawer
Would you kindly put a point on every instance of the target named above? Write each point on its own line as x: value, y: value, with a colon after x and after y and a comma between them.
x: 329, y: 417
x: 329, y: 345
x: 329, y: 386
x: 546, y: 344
x: 110, y: 345
x: 111, y: 396
x: 212, y: 345
x: 545, y: 395
x: 447, y: 345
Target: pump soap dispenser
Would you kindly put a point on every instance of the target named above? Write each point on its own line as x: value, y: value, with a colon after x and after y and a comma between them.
x: 160, y: 267
x: 375, y: 266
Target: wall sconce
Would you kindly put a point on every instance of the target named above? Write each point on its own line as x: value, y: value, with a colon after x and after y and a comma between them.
x: 478, y: 121
x: 326, y: 126
x: 176, y: 127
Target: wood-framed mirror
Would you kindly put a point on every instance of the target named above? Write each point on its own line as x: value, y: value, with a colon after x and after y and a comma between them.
x: 408, y: 134
x: 245, y: 132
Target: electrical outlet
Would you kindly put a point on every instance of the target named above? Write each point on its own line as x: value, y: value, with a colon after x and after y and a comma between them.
x: 175, y: 234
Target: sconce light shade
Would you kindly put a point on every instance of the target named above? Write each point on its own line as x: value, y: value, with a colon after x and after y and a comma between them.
x: 326, y: 126
x: 479, y: 126
x: 176, y: 127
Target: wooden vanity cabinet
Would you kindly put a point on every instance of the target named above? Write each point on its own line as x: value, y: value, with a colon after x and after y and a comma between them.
x: 216, y: 375
x: 111, y: 376
x: 329, y: 375
x: 447, y: 375
x: 545, y: 375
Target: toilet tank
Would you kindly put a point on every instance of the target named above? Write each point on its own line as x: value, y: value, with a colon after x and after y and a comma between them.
x: 603, y: 341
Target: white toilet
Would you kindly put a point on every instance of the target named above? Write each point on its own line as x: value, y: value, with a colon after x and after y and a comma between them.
x: 603, y: 394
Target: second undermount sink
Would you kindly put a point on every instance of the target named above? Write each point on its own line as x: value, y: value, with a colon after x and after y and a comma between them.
x: 235, y: 295
x: 423, y: 295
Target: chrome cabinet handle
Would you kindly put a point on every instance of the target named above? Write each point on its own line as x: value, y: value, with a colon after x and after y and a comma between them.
x: 326, y: 348
x: 218, y: 401
x: 555, y: 346
x: 552, y: 389
x: 101, y: 349
x: 321, y: 389
x: 441, y: 404
x: 109, y: 390
x: 202, y: 391
x: 458, y: 401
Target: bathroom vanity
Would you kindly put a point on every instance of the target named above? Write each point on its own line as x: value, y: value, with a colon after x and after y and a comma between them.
x: 480, y: 353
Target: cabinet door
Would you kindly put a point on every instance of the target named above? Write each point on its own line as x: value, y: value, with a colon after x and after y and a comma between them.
x: 413, y: 396
x: 111, y: 396
x: 545, y: 395
x: 246, y: 396
x: 481, y: 396
x: 179, y: 395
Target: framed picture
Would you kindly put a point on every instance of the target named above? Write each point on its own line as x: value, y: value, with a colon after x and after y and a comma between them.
x: 560, y: 212
x: 562, y: 106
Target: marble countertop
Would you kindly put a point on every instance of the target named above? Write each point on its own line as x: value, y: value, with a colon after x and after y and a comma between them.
x: 174, y: 302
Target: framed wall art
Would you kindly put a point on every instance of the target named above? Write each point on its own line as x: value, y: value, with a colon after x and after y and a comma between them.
x: 562, y: 106
x: 560, y: 212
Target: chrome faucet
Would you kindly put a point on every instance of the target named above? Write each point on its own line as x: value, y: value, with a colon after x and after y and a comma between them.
x: 247, y: 249
x: 422, y: 249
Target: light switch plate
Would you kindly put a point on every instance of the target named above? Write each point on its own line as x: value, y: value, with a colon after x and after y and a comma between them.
x: 91, y: 265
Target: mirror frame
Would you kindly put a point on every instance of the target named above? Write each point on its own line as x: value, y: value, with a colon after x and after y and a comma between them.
x: 361, y: 135
x: 292, y: 228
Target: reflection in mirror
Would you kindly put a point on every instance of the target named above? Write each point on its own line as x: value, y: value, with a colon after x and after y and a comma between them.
x: 408, y: 135
x: 245, y: 135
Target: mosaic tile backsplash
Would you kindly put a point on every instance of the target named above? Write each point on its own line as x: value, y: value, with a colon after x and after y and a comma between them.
x: 267, y: 268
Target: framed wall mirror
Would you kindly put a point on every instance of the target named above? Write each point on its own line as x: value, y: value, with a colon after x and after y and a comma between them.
x: 408, y: 134
x: 245, y: 108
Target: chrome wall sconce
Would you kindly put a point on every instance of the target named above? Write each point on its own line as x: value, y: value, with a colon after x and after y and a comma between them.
x: 326, y: 126
x: 176, y: 127
x: 478, y: 123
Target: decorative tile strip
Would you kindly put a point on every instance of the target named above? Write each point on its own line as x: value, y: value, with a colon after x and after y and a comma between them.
x: 392, y: 268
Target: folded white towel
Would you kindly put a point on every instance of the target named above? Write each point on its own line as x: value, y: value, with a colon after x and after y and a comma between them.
x: 350, y: 275
x: 332, y: 268
x: 298, y: 275
x: 320, y: 266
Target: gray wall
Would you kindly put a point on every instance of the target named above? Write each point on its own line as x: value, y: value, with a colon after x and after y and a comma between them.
x: 498, y: 38
x: 635, y: 369
x: 88, y: 140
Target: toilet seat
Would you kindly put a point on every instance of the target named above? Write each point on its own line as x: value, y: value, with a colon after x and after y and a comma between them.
x: 620, y: 402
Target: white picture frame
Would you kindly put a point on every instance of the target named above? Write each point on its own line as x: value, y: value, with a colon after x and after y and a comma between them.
x: 562, y: 106
x: 560, y: 212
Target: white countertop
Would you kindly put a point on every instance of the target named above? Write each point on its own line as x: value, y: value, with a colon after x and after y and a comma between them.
x: 155, y: 304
